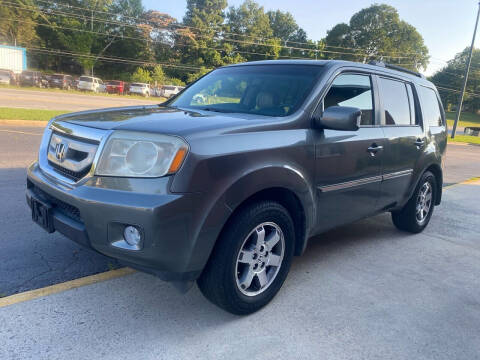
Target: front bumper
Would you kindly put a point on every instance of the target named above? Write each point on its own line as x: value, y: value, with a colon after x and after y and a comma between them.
x: 95, y: 213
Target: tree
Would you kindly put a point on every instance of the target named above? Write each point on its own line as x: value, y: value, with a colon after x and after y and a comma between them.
x: 200, y: 40
x: 378, y: 33
x: 142, y: 75
x: 451, y: 77
x: 254, y: 35
x: 192, y: 77
x: 18, y: 25
x: 158, y: 76
x: 285, y: 28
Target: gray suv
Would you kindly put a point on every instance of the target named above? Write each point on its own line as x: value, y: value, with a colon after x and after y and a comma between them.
x: 227, y: 181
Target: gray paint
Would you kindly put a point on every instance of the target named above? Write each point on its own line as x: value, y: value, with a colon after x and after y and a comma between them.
x: 231, y: 158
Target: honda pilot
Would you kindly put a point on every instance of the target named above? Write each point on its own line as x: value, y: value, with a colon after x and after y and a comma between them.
x: 226, y: 182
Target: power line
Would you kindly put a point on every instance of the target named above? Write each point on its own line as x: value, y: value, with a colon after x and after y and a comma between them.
x: 104, y: 21
x: 230, y: 33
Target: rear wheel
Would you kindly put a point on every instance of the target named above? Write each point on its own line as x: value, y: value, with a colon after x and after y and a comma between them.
x: 416, y: 214
x: 251, y: 259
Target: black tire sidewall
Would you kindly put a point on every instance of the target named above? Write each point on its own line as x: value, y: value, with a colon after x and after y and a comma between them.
x: 222, y: 264
x: 428, y: 176
x: 282, y: 219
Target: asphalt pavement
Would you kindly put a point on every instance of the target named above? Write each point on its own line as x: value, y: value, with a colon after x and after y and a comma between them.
x: 64, y: 100
x: 34, y: 259
x: 363, y: 291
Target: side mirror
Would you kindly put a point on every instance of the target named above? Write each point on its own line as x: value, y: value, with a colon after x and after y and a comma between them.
x: 339, y: 118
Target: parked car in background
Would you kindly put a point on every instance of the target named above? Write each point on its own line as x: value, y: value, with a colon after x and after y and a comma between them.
x: 45, y: 79
x: 31, y: 78
x: 61, y: 81
x: 115, y: 87
x: 227, y: 193
x: 90, y: 83
x: 7, y: 77
x: 171, y: 90
x: 139, y: 89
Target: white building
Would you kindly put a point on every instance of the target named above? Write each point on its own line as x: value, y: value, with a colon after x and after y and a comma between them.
x: 13, y: 58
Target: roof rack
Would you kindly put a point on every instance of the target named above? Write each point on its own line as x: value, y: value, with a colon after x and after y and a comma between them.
x: 396, y: 67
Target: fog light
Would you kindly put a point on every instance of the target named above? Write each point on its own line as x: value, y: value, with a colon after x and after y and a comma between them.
x: 132, y: 236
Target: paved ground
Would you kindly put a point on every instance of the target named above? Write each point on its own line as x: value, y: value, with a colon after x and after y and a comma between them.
x: 365, y: 291
x: 33, y: 259
x: 48, y: 100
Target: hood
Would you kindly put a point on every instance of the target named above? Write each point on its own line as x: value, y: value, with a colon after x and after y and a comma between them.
x: 160, y: 119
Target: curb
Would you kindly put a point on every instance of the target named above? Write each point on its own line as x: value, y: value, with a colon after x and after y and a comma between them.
x: 36, y: 123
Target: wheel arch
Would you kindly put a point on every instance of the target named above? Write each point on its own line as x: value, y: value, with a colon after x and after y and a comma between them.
x: 436, y: 170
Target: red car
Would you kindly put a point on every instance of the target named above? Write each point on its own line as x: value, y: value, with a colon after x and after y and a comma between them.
x: 115, y: 87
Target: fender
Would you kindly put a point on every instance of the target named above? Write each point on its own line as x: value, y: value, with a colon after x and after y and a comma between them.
x: 280, y: 176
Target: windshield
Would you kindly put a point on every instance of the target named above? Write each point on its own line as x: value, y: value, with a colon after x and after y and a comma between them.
x: 270, y: 90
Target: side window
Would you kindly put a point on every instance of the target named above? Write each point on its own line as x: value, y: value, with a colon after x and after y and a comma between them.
x: 395, y: 102
x: 432, y: 114
x: 354, y: 91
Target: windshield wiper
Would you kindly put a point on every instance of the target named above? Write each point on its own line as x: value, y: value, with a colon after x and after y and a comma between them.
x: 215, y: 110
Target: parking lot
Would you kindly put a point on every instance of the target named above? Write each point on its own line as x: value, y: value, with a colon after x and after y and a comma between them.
x: 361, y: 291
x: 64, y: 100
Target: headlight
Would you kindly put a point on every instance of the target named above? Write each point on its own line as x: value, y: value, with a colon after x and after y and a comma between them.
x: 135, y: 154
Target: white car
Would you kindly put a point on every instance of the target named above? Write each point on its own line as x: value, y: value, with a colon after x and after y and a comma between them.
x: 140, y: 89
x: 170, y: 90
x: 90, y: 83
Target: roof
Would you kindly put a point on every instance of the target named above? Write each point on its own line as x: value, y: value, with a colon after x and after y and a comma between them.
x: 341, y: 63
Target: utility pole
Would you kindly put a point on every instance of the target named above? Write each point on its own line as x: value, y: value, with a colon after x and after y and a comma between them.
x: 467, y: 70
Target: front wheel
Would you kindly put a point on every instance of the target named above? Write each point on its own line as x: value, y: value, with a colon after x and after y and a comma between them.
x: 251, y: 259
x: 416, y: 214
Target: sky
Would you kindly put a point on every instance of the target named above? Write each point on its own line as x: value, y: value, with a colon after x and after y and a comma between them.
x: 446, y: 25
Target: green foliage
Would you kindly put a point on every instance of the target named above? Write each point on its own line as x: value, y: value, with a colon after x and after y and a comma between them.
x: 141, y: 75
x: 210, y: 35
x: 20, y: 32
x: 158, y: 76
x: 174, y: 81
x: 451, y: 77
x: 195, y: 76
x: 378, y: 33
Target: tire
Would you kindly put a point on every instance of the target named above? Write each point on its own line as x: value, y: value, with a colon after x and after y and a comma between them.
x: 408, y: 219
x: 223, y: 279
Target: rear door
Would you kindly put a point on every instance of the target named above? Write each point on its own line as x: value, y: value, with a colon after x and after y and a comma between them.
x: 349, y: 163
x: 405, y: 138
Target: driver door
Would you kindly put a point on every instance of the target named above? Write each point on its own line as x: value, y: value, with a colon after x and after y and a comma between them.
x: 349, y: 163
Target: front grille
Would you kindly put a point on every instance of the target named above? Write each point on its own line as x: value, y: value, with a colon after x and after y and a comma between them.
x: 72, y: 175
x: 71, y: 156
x: 66, y: 209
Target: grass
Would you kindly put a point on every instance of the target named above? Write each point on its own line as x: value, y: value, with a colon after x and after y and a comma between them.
x: 466, y: 119
x: 77, y: 92
x: 465, y: 139
x: 28, y: 114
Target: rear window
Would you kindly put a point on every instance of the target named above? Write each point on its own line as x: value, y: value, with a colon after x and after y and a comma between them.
x: 57, y: 76
x: 432, y: 114
x: 113, y: 83
x: 395, y: 102
x: 169, y: 87
x: 86, y: 79
x: 138, y: 85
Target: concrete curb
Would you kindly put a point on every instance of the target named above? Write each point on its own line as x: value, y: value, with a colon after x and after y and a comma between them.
x: 24, y: 122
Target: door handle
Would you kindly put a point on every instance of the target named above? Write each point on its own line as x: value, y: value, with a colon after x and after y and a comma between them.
x: 374, y: 148
x: 419, y: 143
